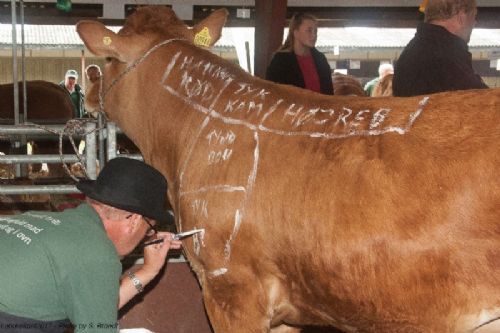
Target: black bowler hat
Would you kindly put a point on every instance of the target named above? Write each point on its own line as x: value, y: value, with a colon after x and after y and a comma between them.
x: 130, y: 185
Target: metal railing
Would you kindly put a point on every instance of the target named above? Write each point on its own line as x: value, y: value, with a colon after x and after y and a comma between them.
x: 31, y: 132
x: 104, y: 137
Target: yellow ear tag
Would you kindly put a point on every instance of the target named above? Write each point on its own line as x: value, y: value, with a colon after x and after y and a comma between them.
x: 423, y: 5
x: 106, y: 40
x: 203, y: 38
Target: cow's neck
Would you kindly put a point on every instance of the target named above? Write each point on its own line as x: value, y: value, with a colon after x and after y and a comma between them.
x: 160, y: 124
x: 166, y: 102
x: 131, y: 117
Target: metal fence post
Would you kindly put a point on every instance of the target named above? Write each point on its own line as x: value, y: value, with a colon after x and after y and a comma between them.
x: 90, y: 150
x: 111, y: 140
x: 102, y: 138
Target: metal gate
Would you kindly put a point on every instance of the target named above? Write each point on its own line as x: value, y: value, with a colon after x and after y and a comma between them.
x: 105, y: 138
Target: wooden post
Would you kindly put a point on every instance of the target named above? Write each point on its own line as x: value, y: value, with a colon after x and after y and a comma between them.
x: 270, y: 18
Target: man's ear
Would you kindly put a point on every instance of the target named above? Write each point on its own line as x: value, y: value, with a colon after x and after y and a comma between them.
x: 133, y: 222
x: 207, y: 32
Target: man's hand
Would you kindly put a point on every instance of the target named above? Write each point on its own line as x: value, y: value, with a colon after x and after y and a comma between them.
x: 155, y: 254
x: 154, y: 259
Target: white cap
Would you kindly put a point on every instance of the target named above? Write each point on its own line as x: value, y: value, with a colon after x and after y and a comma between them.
x: 72, y: 73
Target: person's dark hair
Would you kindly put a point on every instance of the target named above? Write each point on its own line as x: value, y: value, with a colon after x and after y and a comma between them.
x: 445, y: 9
x: 295, y: 23
x: 93, y: 66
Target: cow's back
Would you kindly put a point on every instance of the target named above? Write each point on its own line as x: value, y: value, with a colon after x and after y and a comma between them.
x: 47, y: 102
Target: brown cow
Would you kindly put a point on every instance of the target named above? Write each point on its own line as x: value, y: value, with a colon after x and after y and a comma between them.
x: 47, y: 103
x: 371, y: 215
x: 347, y: 85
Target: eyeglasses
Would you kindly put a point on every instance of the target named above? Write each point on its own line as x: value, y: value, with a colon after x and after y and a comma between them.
x: 152, y: 230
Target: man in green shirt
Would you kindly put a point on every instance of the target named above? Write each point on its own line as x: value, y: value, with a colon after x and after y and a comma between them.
x: 62, y: 268
x: 71, y: 86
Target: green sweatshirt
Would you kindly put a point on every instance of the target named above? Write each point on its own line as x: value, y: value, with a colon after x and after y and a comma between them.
x: 57, y: 266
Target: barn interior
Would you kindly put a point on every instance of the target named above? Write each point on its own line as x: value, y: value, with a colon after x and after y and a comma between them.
x: 355, y: 35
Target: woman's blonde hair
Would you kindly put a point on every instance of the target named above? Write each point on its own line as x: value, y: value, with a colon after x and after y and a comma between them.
x: 295, y: 22
x: 445, y: 9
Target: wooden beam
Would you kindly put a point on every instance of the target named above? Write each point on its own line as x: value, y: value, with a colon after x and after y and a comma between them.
x: 270, y: 16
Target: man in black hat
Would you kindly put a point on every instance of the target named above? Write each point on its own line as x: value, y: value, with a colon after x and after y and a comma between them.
x: 63, y: 268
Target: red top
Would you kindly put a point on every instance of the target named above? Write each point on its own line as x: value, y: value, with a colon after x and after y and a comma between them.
x: 308, y: 68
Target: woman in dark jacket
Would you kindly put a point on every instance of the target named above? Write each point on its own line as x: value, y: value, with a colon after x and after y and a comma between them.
x: 298, y: 62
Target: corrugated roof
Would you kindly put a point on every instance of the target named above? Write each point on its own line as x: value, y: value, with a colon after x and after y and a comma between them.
x: 65, y: 37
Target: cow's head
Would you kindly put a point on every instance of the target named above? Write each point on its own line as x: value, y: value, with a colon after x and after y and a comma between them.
x: 142, y: 30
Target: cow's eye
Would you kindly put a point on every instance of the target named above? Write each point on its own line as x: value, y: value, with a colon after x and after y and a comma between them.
x: 109, y: 59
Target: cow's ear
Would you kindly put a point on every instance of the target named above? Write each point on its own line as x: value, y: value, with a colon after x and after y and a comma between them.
x: 100, y: 40
x: 207, y: 32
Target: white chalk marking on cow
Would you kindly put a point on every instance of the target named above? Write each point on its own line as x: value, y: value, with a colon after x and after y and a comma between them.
x: 198, y: 242
x: 185, y: 163
x: 417, y: 113
x: 378, y: 118
x: 219, y: 137
x: 197, y: 139
x: 371, y: 132
x: 196, y: 87
x: 218, y: 272
x: 194, y: 105
x: 253, y: 174
x: 324, y: 135
x: 216, y: 138
x: 240, y: 213
x: 232, y: 121
x: 216, y: 99
x: 236, y: 228
x: 217, y: 157
x: 200, y: 208
x: 271, y: 110
x: 170, y: 66
x: 215, y: 188
x: 214, y: 71
x: 246, y: 89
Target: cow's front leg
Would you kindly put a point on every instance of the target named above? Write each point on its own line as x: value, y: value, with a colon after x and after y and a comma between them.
x: 236, y: 306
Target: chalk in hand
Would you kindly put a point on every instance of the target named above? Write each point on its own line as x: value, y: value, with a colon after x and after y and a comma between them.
x: 184, y: 234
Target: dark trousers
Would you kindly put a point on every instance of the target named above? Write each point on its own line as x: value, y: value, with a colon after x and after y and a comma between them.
x: 14, y: 324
